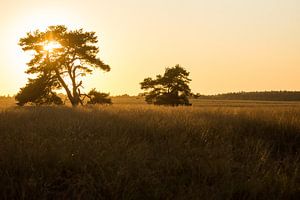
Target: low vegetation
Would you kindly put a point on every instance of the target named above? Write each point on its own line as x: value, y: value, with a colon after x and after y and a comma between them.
x: 150, y: 152
x: 96, y: 97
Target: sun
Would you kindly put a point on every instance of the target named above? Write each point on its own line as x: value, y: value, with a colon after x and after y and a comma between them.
x: 51, y: 46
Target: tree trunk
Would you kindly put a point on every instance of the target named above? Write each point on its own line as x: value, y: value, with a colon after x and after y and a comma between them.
x: 74, y: 101
x: 76, y: 95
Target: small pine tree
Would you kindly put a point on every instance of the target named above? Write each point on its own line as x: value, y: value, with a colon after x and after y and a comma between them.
x: 170, y: 89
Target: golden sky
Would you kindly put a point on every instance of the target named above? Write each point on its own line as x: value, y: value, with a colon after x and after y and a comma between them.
x: 227, y: 45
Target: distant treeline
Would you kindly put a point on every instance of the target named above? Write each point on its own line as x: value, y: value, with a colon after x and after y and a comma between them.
x: 5, y: 97
x: 259, y: 96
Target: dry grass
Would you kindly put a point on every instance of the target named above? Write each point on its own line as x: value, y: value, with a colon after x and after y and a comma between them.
x: 147, y: 152
x: 6, y: 102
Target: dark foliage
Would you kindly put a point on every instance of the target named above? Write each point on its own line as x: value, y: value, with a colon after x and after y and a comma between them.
x: 75, y: 56
x: 39, y: 91
x: 170, y: 89
x: 258, y: 96
x: 96, y: 97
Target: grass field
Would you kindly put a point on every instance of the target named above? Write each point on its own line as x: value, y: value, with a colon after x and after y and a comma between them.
x: 211, y: 150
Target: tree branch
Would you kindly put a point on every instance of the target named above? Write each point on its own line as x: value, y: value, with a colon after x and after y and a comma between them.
x: 85, y: 96
x: 79, y: 84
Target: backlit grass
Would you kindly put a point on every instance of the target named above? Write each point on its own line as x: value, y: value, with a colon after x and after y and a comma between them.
x: 148, y: 152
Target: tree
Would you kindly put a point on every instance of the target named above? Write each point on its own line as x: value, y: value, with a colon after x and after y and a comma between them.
x: 61, y: 58
x: 170, y: 89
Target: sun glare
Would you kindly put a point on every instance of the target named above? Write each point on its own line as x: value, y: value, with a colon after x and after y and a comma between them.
x: 51, y: 46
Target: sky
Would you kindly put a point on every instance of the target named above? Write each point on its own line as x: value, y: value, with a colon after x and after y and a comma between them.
x: 226, y: 45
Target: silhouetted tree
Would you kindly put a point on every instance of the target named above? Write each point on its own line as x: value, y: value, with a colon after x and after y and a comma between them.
x: 170, y: 89
x: 98, y: 97
x: 65, y: 56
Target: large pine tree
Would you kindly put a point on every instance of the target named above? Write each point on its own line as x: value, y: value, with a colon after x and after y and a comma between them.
x: 61, y: 57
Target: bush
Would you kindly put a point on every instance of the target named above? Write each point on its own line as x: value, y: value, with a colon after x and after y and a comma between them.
x: 98, y: 97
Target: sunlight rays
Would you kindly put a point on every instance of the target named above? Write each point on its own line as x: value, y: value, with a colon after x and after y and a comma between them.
x: 51, y: 46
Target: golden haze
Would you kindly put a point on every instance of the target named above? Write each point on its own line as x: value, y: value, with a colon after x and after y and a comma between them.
x: 226, y: 45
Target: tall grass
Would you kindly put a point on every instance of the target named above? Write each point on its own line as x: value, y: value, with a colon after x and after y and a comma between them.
x: 146, y: 152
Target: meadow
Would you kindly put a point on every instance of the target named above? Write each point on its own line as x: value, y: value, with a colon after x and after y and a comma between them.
x: 130, y: 150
